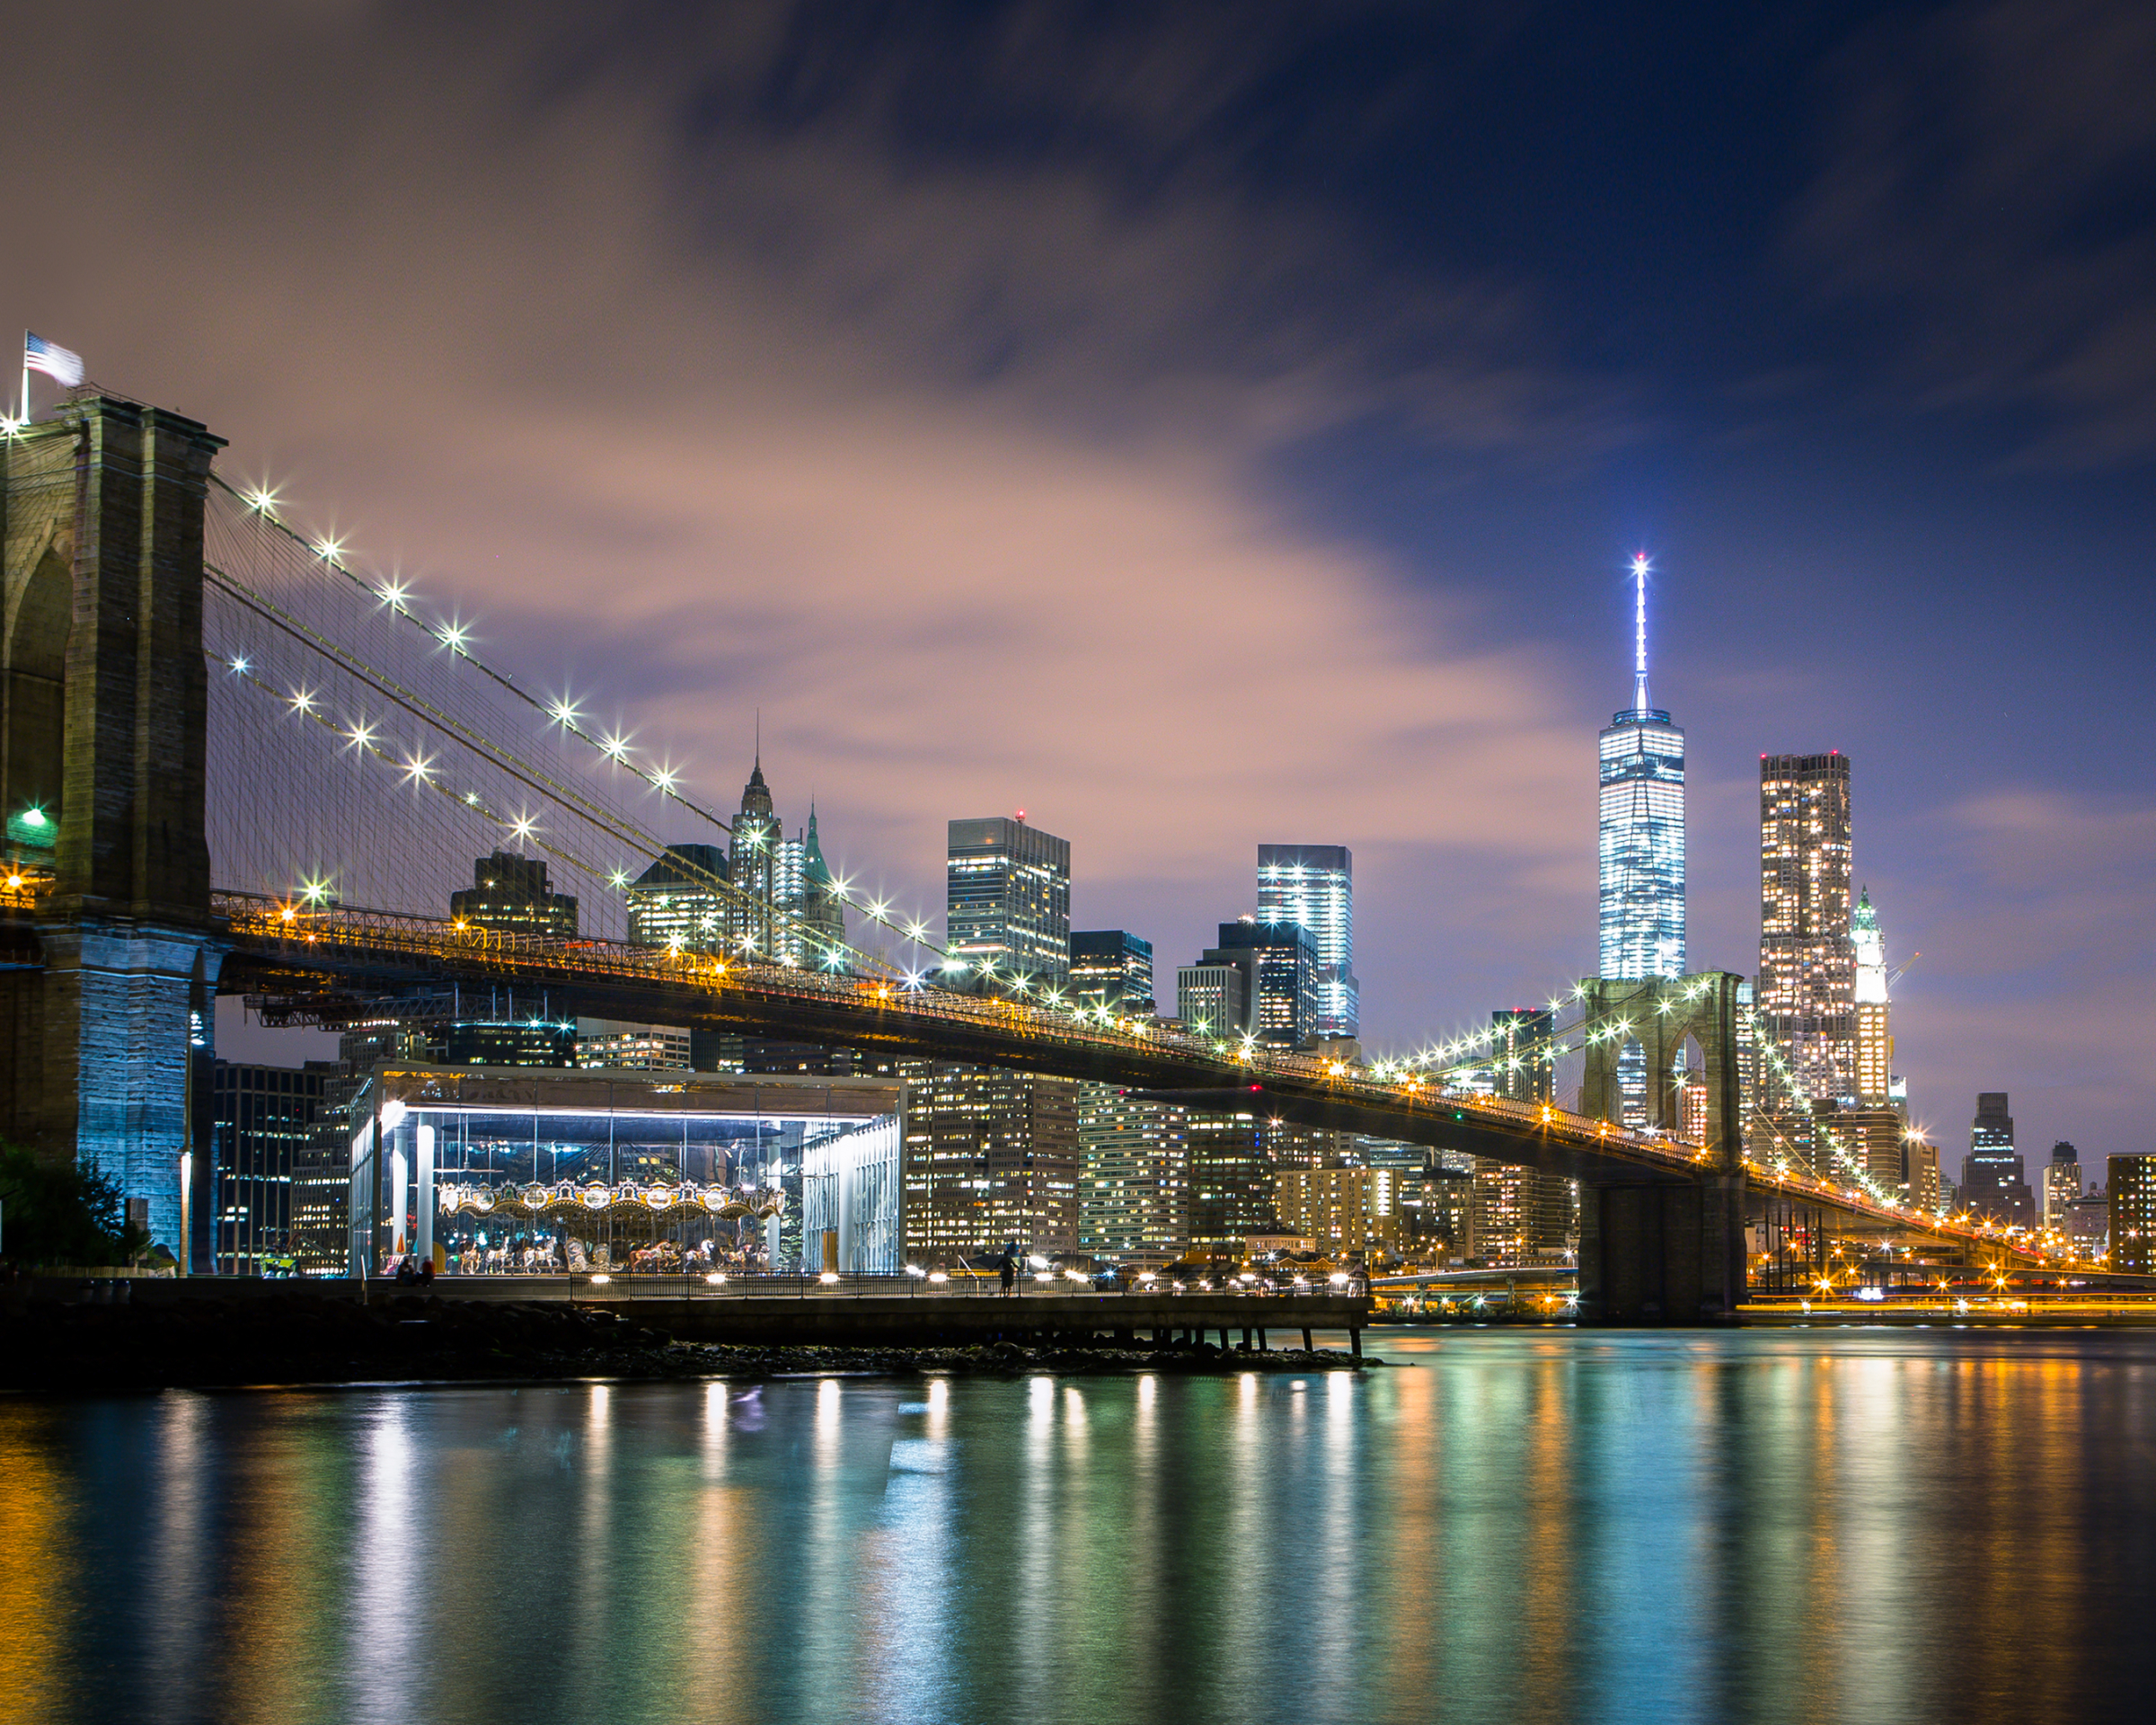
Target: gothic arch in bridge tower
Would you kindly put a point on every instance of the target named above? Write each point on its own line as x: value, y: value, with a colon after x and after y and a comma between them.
x: 1661, y: 1014
x: 33, y: 669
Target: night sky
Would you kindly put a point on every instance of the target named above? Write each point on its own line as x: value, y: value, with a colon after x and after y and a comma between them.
x: 1204, y: 425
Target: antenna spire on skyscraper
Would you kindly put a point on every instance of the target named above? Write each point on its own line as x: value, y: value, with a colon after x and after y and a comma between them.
x: 1640, y: 568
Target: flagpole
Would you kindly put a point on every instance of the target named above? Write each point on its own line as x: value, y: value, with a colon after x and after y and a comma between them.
x: 25, y: 377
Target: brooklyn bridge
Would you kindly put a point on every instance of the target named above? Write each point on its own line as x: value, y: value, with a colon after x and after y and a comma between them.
x: 234, y: 762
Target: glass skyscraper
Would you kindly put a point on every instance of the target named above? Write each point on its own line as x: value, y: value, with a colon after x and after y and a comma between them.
x: 1642, y: 826
x: 1112, y: 967
x: 1313, y: 885
x: 1642, y: 844
x: 1008, y: 897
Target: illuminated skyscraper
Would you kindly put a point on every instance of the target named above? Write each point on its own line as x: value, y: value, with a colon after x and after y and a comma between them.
x: 1874, y: 1041
x: 1112, y: 967
x: 1133, y: 1182
x: 1521, y: 1068
x: 2061, y: 1184
x: 679, y: 901
x: 509, y: 894
x: 1313, y: 885
x: 810, y: 919
x: 1277, y: 1001
x: 1642, y: 844
x: 1807, y: 965
x: 1992, y: 1179
x: 1009, y: 902
x: 754, y: 860
x: 1642, y: 826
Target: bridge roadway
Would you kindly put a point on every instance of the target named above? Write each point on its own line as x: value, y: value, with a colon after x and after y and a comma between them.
x: 332, y: 965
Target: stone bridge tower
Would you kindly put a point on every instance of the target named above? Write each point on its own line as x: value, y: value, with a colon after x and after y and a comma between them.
x: 111, y: 957
x: 1656, y: 1248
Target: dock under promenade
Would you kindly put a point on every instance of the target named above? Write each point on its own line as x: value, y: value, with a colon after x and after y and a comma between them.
x: 856, y: 1311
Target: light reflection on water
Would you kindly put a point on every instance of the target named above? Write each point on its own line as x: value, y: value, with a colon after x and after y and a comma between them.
x: 1505, y: 1525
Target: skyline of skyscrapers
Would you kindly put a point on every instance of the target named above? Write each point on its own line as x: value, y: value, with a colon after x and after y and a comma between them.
x: 1313, y: 886
x: 1285, y: 975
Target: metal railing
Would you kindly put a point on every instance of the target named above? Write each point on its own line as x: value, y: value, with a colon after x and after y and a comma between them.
x: 957, y: 1284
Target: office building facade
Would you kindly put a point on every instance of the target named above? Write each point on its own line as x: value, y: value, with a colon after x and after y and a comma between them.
x: 1133, y: 1185
x: 1312, y: 887
x: 1280, y: 974
x: 2132, y: 1188
x: 2061, y: 1184
x: 1522, y: 1066
x: 509, y: 894
x: 1806, y: 990
x: 992, y: 1158
x: 1008, y: 899
x: 1231, y: 1181
x: 608, y: 1043
x: 1920, y: 1172
x: 1993, y: 1182
x: 1347, y: 1213
x: 264, y: 1122
x: 1521, y: 1215
x: 1112, y: 967
x: 681, y: 901
x: 1213, y: 998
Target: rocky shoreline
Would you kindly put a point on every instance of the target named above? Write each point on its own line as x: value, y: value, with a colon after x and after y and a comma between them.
x: 48, y: 1346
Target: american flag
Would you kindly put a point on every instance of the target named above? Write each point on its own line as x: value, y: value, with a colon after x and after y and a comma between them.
x: 51, y: 358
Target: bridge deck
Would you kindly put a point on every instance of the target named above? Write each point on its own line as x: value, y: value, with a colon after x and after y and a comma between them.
x: 308, y: 955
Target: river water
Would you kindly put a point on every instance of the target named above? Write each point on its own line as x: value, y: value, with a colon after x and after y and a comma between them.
x: 1510, y: 1524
